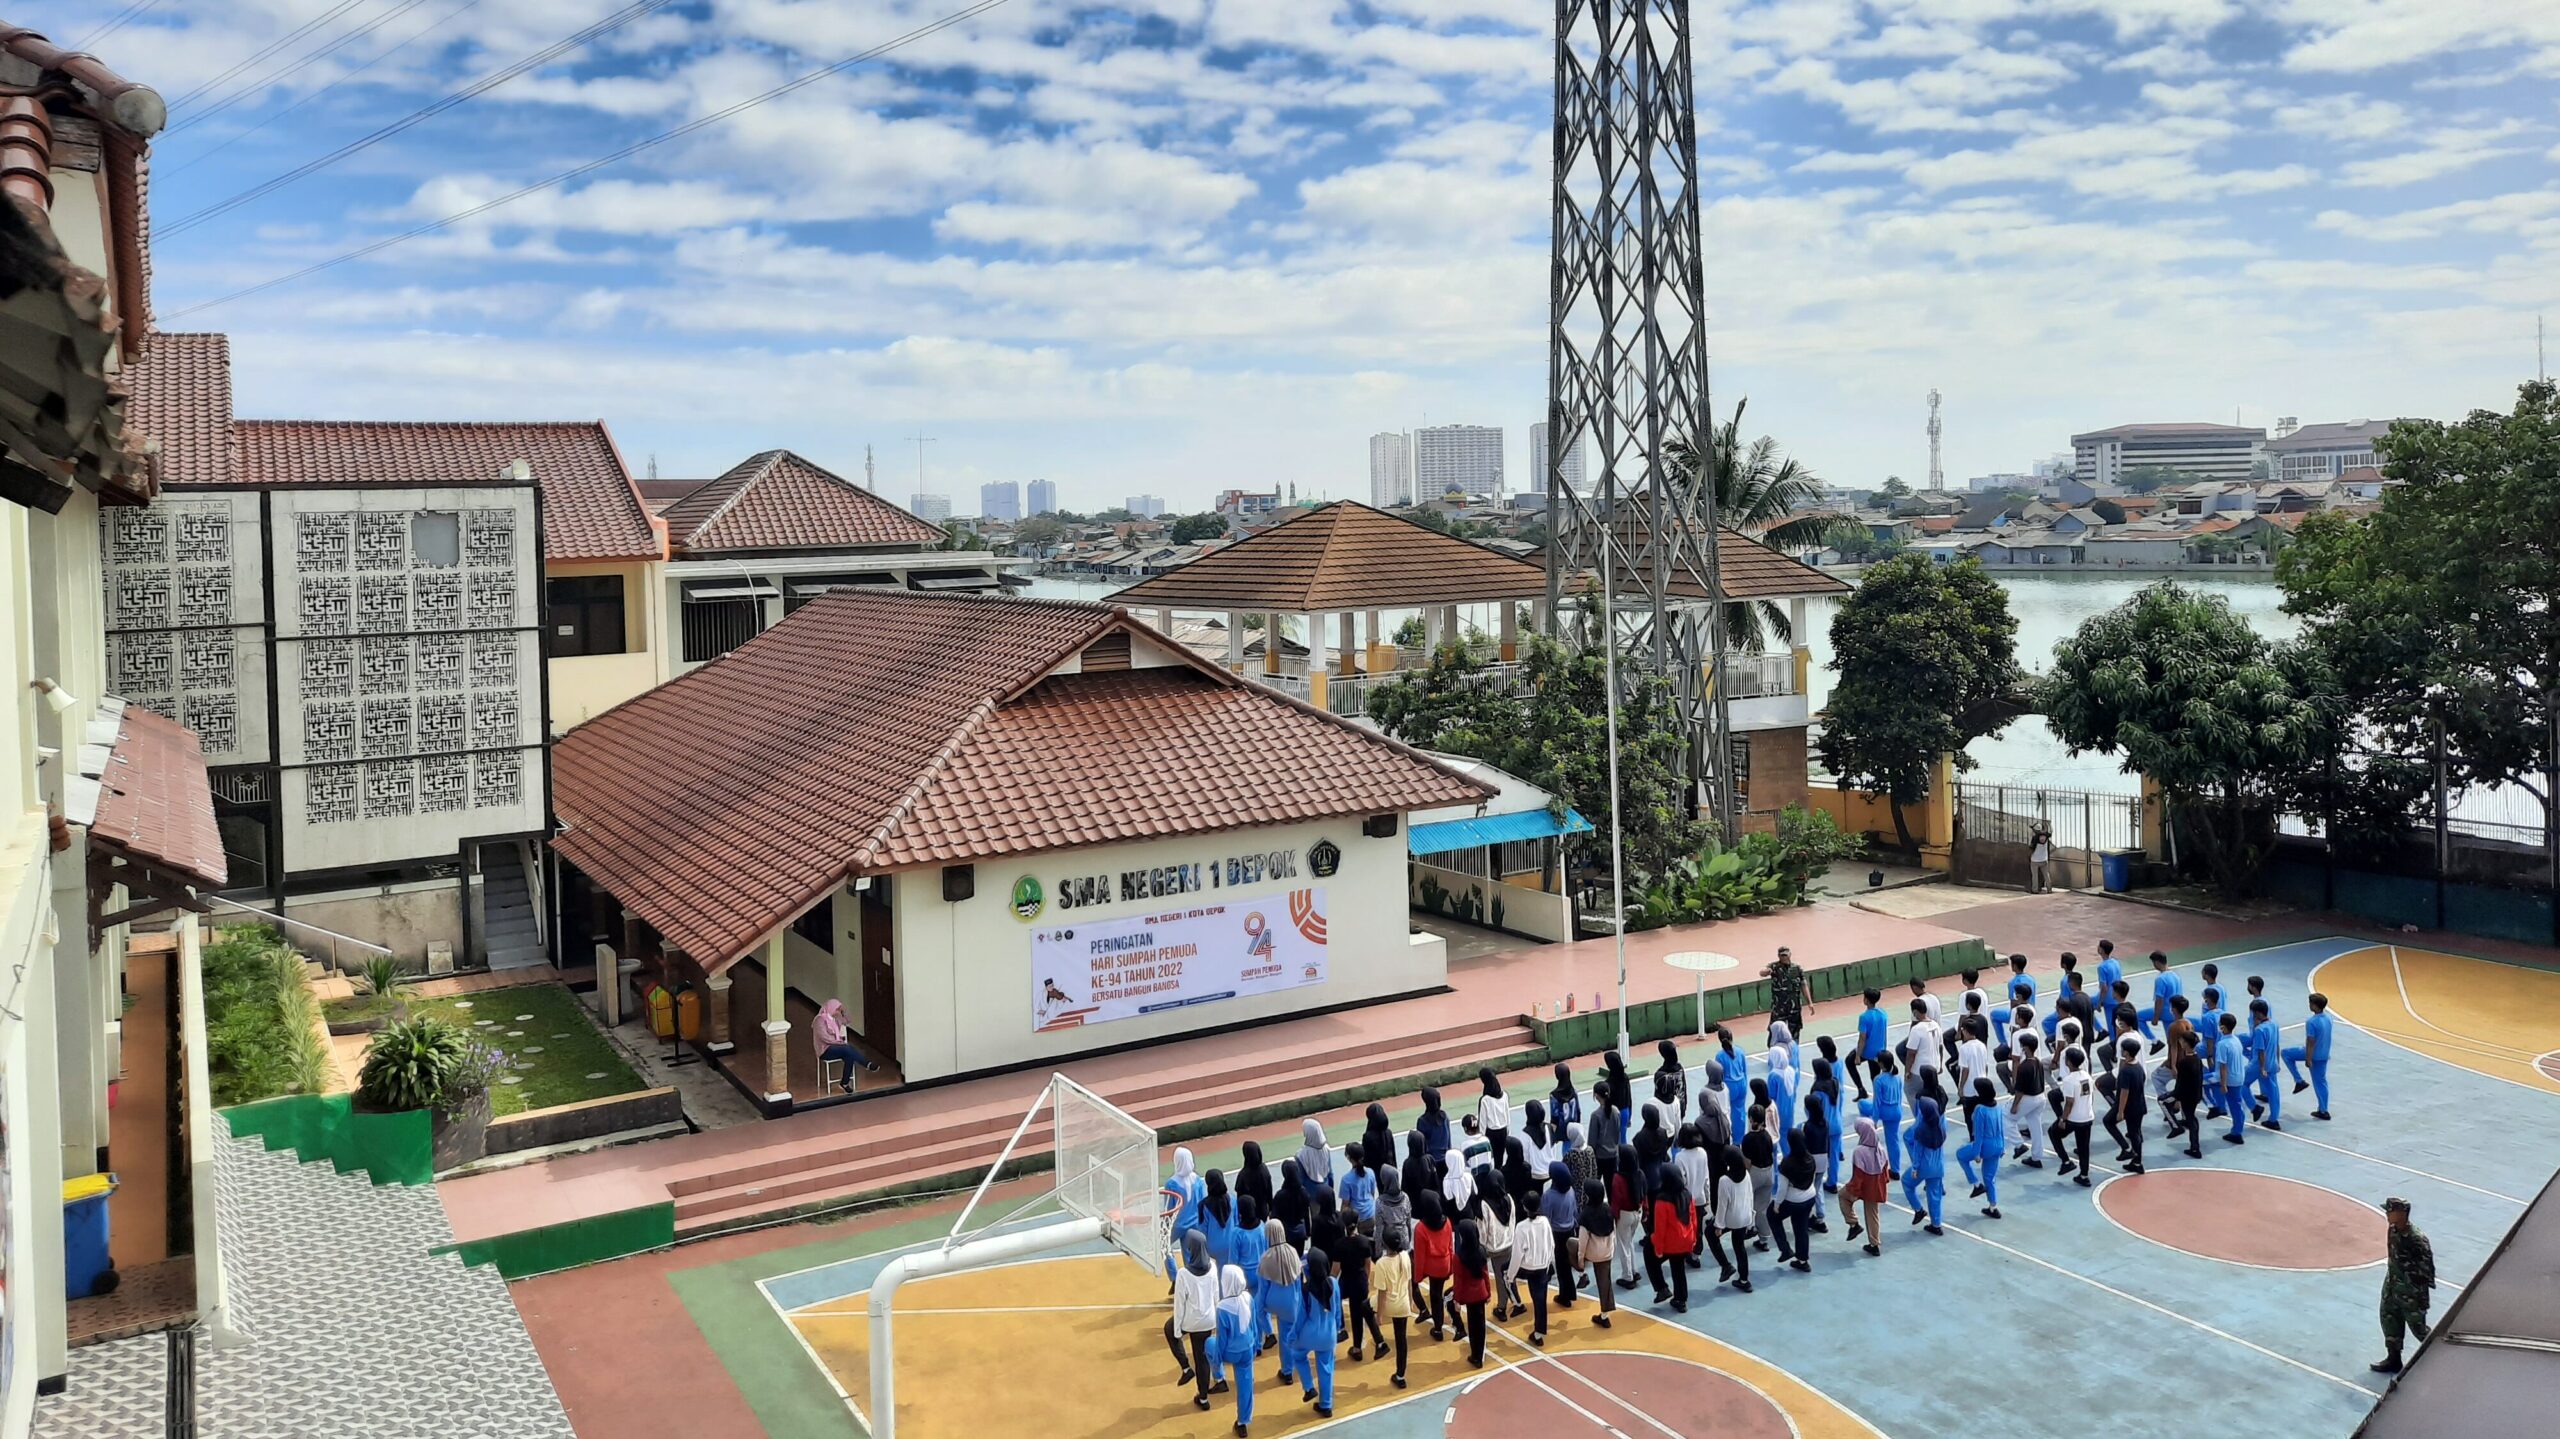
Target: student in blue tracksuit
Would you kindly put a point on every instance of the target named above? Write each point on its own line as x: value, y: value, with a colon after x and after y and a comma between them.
x: 1928, y: 1171
x: 2248, y: 1009
x: 2266, y: 1043
x: 2070, y: 986
x: 2019, y: 988
x: 2109, y: 971
x: 2165, y: 986
x: 1186, y: 1189
x: 2209, y: 1028
x: 1277, y: 1297
x: 1784, y: 1077
x: 1245, y: 1248
x: 2317, y: 1040
x: 1735, y: 1070
x: 1875, y: 1037
x: 1886, y: 1108
x: 1233, y: 1348
x: 1990, y: 1127
x: 2231, y: 1068
x: 1823, y: 1122
x: 1318, y: 1328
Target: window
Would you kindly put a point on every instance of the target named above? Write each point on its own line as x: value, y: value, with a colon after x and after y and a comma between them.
x: 818, y: 926
x: 586, y: 615
x: 435, y: 539
x: 712, y: 628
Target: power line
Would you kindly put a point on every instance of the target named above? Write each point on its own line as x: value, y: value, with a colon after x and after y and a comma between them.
x: 132, y: 12
x: 590, y: 167
x: 274, y: 115
x: 420, y: 116
x: 297, y: 67
x: 305, y: 28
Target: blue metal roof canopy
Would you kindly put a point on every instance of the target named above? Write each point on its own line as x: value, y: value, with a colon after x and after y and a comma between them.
x: 1449, y: 834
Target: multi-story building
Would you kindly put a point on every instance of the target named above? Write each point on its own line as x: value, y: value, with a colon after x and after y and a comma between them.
x: 1390, y: 469
x: 1000, y: 500
x: 1044, y: 497
x: 933, y: 508
x: 1145, y: 507
x: 1572, y: 468
x: 2198, y: 452
x: 1248, y: 506
x: 1467, y: 458
x: 2323, y: 452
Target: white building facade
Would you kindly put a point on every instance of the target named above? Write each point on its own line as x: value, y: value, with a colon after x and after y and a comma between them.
x: 1145, y: 507
x: 2324, y: 452
x: 936, y: 508
x: 1467, y: 458
x: 1572, y: 467
x: 1001, y: 500
x: 1044, y: 497
x: 2198, y: 452
x: 1390, y: 470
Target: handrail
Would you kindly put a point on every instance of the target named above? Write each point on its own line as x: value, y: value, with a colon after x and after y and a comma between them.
x: 289, y: 922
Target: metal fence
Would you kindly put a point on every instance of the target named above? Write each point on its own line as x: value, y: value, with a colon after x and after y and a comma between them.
x: 1996, y: 825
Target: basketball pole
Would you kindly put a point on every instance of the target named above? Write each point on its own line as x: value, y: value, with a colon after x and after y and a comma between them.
x: 924, y: 1264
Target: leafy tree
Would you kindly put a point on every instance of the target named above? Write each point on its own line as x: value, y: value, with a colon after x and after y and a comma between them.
x: 1928, y: 661
x: 1858, y: 545
x: 1533, y: 533
x: 2225, y: 723
x: 1410, y: 634
x: 1116, y: 515
x: 2438, y: 609
x: 1428, y: 518
x: 2143, y: 479
x: 2107, y: 510
x: 957, y: 536
x: 1038, y: 533
x: 1894, y: 488
x: 1191, y: 529
x: 1763, y: 492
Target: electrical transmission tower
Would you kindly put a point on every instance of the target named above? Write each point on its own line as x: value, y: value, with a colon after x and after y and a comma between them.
x: 1937, y: 473
x: 1627, y: 363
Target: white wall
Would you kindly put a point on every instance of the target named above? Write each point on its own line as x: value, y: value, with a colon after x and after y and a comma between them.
x: 964, y: 970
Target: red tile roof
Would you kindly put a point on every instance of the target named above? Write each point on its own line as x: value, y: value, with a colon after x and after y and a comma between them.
x: 873, y: 731
x: 181, y: 391
x: 1341, y: 556
x: 155, y: 804
x: 590, y: 508
x: 778, y: 501
x: 1745, y: 568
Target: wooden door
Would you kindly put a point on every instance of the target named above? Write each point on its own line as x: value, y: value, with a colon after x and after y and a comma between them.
x: 879, y: 977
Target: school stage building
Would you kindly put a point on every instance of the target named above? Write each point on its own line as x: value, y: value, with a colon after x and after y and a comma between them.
x: 1002, y: 831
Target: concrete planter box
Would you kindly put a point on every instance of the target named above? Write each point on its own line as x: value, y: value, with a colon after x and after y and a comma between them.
x: 586, y: 1120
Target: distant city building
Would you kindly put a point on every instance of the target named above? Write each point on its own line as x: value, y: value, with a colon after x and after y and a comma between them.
x: 1001, y: 500
x: 936, y: 508
x: 2199, y: 452
x: 1467, y: 458
x: 1573, y: 474
x: 2323, y: 452
x: 1145, y: 507
x: 1044, y: 497
x: 1995, y: 484
x: 1248, y: 504
x: 1390, y: 469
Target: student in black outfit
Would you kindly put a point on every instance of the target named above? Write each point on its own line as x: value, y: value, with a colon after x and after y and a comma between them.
x: 1351, y: 1262
x: 2189, y: 1094
x: 2133, y: 1101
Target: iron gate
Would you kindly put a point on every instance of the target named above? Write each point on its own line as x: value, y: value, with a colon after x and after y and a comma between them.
x: 1996, y: 824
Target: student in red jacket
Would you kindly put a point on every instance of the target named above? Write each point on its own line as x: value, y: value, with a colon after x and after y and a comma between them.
x: 1435, y: 1244
x: 1671, y: 1231
x: 1473, y: 1287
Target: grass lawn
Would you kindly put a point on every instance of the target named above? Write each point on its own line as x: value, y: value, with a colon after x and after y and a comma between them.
x: 358, y: 1007
x: 554, y: 1053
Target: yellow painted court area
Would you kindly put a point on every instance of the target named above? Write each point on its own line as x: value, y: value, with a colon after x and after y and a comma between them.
x: 2496, y: 1019
x: 1073, y: 1348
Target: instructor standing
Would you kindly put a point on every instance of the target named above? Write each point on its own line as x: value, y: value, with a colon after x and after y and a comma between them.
x: 2408, y: 1283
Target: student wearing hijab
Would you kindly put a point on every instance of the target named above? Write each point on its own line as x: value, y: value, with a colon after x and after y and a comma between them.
x: 1289, y: 1203
x: 1782, y: 1083
x: 1378, y: 1139
x: 1886, y: 1108
x: 1218, y: 1218
x: 1235, y: 1346
x: 1391, y: 1295
x: 1184, y: 1191
x: 1760, y: 1156
x: 1608, y: 1124
x: 1564, y: 1102
x: 1522, y: 1175
x: 1653, y: 1142
x: 1867, y: 1170
x: 1433, y: 1126
x: 1434, y: 1243
x: 1359, y: 1189
x: 1679, y: 1074
x: 1928, y: 1171
x: 1561, y: 1206
x: 1627, y: 1194
x: 1799, y: 1197
x: 1713, y: 1126
x: 1670, y: 1231
x: 1540, y: 1142
x: 1666, y: 1097
x: 1457, y: 1184
x: 1735, y: 1071
x: 2076, y: 1101
x: 1988, y: 1127
x: 1596, y: 1244
x: 1277, y: 1295
x: 1732, y: 1213
x: 1579, y: 1158
x: 1826, y: 1095
x: 1418, y: 1172
x: 1622, y: 1086
x: 1317, y: 1328
x: 1472, y: 1288
x: 1328, y: 1228
x: 1253, y: 1178
x: 1195, y: 1315
x: 1495, y: 1216
x: 1315, y: 1156
x: 1246, y: 1246
x: 1696, y: 1164
x: 1493, y: 1110
x: 1533, y: 1261
x: 1395, y: 1210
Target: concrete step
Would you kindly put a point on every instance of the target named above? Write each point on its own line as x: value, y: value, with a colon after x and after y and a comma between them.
x: 711, y: 1202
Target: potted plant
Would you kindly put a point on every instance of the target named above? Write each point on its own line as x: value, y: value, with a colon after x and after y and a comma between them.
x: 425, y: 1062
x: 376, y: 1001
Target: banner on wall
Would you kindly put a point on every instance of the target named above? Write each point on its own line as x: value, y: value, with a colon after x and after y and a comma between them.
x: 1111, y: 969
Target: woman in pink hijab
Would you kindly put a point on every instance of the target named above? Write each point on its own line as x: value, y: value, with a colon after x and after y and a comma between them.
x: 835, y: 1040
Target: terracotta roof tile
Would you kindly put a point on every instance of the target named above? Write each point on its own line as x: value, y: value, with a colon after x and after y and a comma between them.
x: 155, y: 803
x: 778, y: 501
x: 181, y: 389
x: 873, y: 731
x: 590, y: 508
x: 1748, y: 569
x: 1341, y: 556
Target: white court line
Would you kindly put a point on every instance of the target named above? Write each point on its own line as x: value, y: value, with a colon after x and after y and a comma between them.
x: 1559, y: 1396
x: 815, y: 1312
x: 2314, y: 982
x: 2118, y: 1174
x: 2480, y: 1045
x: 1593, y: 1385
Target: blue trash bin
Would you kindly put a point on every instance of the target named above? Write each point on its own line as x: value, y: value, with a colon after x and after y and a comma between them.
x: 2117, y: 870
x: 87, y: 1267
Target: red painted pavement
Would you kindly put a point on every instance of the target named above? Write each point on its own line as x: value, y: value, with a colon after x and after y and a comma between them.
x: 2246, y: 1218
x: 1625, y: 1394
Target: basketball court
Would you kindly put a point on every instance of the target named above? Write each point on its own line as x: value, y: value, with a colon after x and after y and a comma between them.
x: 2251, y: 1276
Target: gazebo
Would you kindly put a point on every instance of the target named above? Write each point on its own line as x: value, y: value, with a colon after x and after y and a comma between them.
x: 1342, y: 563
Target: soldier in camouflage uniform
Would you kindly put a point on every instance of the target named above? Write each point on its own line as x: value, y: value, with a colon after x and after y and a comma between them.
x: 2408, y: 1283
x: 1787, y: 992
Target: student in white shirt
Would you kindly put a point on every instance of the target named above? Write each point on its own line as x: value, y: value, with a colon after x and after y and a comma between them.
x: 1533, y: 1258
x: 1493, y: 1112
x: 1922, y: 1046
x: 1920, y: 995
x: 1973, y: 1054
x: 2079, y: 1112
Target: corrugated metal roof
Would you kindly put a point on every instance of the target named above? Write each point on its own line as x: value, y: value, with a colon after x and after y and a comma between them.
x: 1448, y: 834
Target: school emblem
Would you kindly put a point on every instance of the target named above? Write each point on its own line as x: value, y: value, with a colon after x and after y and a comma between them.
x: 1324, y: 859
x: 1028, y: 901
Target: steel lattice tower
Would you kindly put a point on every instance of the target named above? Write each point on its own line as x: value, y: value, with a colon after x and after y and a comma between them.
x: 1627, y: 359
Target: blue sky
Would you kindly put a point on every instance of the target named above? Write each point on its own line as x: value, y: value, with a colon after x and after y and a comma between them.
x: 1169, y: 246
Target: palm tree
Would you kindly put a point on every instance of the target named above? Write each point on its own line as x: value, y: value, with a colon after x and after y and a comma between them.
x: 1765, y: 494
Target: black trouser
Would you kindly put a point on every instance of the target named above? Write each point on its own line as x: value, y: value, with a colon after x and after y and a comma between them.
x: 2127, y: 1133
x: 1857, y: 1065
x: 1364, y: 1316
x: 2067, y: 1129
x: 1565, y: 1265
x: 1738, y: 1263
x: 1475, y: 1331
x: 1399, y: 1326
x: 1439, y: 1305
x: 1195, y: 1363
x: 1601, y: 1286
x: 1536, y: 1279
x: 1678, y: 1288
x: 1795, y: 1216
x: 2189, y: 1120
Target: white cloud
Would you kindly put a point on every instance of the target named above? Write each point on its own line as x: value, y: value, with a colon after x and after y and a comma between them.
x: 2342, y: 118
x: 2446, y: 152
x: 2359, y: 35
x: 2533, y: 212
x: 1845, y: 162
x: 2204, y: 97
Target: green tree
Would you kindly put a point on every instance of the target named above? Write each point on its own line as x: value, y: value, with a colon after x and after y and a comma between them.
x: 1191, y: 529
x: 2107, y: 510
x: 957, y: 536
x: 1928, y: 661
x: 1428, y: 518
x: 1038, y: 534
x: 1858, y: 545
x: 2226, y: 724
x: 1762, y: 491
x: 2438, y: 609
x: 1894, y: 488
x: 2143, y: 479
